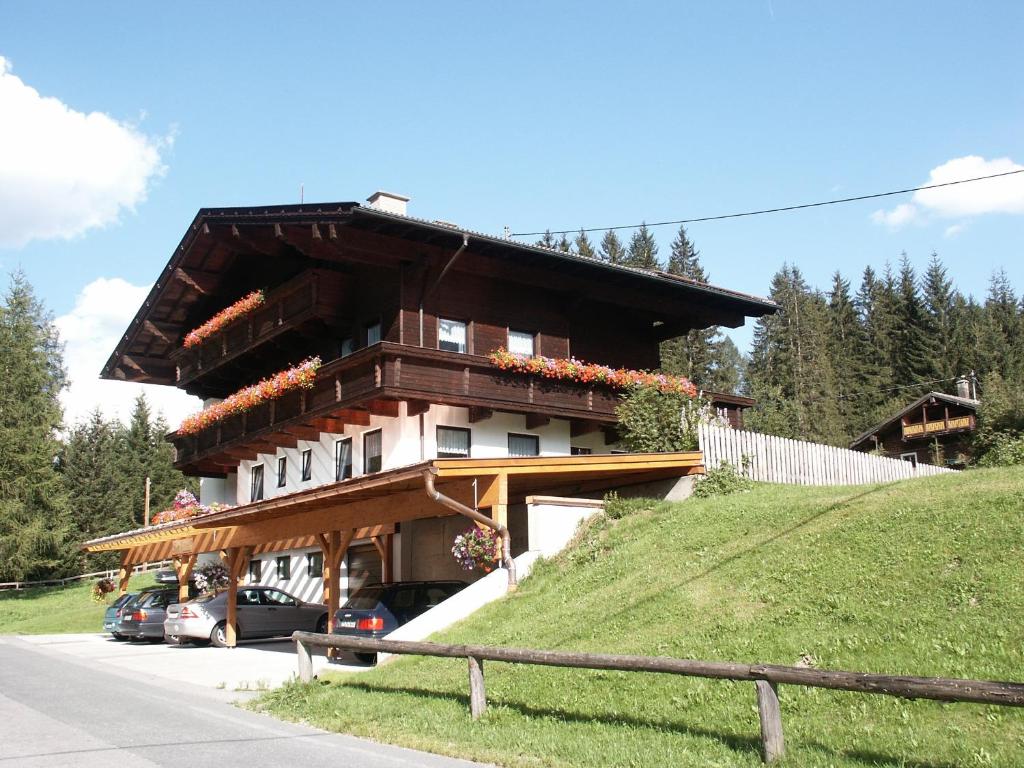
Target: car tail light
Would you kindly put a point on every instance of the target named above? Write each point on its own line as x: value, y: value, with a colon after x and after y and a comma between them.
x: 188, y: 613
x: 372, y: 623
x: 140, y: 616
x: 117, y: 614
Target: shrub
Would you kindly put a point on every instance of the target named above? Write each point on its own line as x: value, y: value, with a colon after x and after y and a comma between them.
x: 1004, y: 450
x: 617, y: 508
x: 654, y: 421
x: 721, y: 482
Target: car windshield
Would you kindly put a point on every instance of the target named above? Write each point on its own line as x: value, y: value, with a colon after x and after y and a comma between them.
x: 365, y: 599
x: 122, y: 600
x: 158, y: 599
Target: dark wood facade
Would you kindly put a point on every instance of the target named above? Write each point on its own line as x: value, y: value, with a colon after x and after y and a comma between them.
x: 365, y: 290
x: 934, y: 429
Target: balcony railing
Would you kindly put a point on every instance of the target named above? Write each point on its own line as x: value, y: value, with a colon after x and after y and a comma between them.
x: 926, y: 429
x: 314, y: 294
x: 373, y: 381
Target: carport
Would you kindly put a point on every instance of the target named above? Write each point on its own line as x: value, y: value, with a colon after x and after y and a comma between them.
x: 371, y: 506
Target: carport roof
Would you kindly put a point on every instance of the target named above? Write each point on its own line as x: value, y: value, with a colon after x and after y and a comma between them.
x: 387, y: 497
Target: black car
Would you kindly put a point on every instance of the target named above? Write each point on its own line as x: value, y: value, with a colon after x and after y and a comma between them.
x: 143, y: 617
x: 376, y: 610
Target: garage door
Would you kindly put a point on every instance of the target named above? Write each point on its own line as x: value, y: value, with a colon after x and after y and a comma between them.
x: 364, y: 566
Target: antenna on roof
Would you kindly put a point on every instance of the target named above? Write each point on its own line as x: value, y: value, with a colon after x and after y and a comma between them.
x: 302, y: 193
x: 508, y: 232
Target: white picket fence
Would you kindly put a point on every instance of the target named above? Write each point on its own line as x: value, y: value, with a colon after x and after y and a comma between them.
x: 780, y: 460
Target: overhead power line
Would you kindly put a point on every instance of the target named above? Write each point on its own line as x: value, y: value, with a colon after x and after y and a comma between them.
x: 780, y: 209
x: 918, y: 385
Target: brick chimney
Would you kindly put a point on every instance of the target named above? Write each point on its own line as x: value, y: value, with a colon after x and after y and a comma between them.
x: 388, y: 202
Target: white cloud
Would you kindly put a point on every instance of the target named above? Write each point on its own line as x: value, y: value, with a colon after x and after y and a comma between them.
x: 1000, y: 195
x: 902, y: 214
x: 64, y: 172
x: 954, y: 230
x: 90, y: 331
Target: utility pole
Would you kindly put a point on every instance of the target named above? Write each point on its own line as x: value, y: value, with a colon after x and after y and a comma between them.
x: 146, y: 509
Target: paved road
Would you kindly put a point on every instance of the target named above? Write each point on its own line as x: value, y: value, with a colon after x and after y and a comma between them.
x: 58, y: 711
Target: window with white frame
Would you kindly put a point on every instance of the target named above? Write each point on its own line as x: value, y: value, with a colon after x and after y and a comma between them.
x: 348, y: 346
x: 521, y: 343
x: 453, y: 443
x: 255, y: 571
x: 523, y: 445
x: 315, y: 565
x: 343, y: 459
x: 307, y: 464
x: 256, y: 483
x: 911, y: 457
x: 373, y: 451
x: 451, y: 335
x: 578, y: 450
x: 282, y: 471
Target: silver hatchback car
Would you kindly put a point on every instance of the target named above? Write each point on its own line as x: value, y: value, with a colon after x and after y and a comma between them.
x: 262, y: 612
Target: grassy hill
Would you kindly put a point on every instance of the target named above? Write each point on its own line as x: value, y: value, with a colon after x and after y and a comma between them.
x: 55, y: 610
x: 921, y: 577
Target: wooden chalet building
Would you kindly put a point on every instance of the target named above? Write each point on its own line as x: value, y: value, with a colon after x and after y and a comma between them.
x: 403, y: 314
x: 934, y: 420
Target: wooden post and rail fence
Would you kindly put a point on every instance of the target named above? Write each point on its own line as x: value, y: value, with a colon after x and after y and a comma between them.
x: 108, y: 574
x: 766, y: 677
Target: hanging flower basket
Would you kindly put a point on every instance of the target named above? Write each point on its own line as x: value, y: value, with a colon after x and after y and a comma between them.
x: 240, y: 308
x: 301, y: 376
x: 477, y: 547
x: 571, y: 369
x: 101, y: 589
x: 211, y: 577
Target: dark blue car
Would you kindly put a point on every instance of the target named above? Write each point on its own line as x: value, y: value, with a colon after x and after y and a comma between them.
x: 376, y: 610
x: 112, y: 617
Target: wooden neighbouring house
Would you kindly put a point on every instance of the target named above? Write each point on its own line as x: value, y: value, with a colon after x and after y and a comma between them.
x: 391, y: 323
x: 934, y: 429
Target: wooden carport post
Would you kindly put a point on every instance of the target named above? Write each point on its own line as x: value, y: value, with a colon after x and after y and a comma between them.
x: 183, y: 567
x: 124, y: 573
x: 236, y: 559
x: 493, y: 492
x: 334, y: 545
x: 386, y: 550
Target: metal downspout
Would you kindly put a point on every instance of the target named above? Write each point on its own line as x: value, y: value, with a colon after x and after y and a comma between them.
x: 427, y: 291
x: 476, y: 517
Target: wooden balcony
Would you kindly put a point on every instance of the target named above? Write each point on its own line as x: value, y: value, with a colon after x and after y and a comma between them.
x: 938, y: 427
x: 313, y: 296
x: 374, y: 381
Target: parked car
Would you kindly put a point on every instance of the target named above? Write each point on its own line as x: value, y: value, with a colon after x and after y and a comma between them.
x: 113, y: 615
x: 143, y: 617
x: 376, y: 610
x: 262, y: 612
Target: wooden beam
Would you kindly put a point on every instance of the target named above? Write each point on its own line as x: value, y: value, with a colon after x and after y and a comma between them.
x: 578, y: 428
x: 383, y: 408
x: 302, y: 433
x: 493, y: 492
x: 416, y: 407
x: 183, y: 567
x: 476, y: 413
x: 162, y: 331
x: 201, y: 282
x: 537, y: 420
x: 124, y: 573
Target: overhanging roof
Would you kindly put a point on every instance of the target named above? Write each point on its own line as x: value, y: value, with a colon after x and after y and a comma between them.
x: 966, y: 402
x: 160, y: 322
x: 399, y: 494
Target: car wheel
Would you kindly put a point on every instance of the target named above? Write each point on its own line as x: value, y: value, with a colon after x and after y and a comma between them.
x: 219, y: 635
x: 367, y: 658
x: 321, y: 625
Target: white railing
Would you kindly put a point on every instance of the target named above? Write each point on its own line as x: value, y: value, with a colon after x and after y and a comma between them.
x: 774, y: 459
x: 144, y: 568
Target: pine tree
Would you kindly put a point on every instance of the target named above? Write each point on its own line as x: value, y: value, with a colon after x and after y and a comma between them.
x: 643, y: 250
x: 611, y: 248
x: 914, y: 348
x: 547, y: 240
x: 874, y: 306
x: 940, y: 305
x: 91, y: 466
x: 727, y: 370
x: 564, y: 245
x: 695, y: 355
x: 848, y: 355
x: 35, y: 526
x: 684, y: 259
x: 1001, y: 348
x: 583, y: 246
x: 790, y: 371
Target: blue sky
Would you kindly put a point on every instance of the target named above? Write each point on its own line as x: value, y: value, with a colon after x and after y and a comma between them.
x: 530, y: 115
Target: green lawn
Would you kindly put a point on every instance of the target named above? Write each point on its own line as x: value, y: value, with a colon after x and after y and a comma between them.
x: 54, y: 610
x: 922, y: 577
